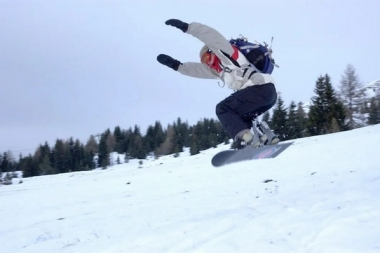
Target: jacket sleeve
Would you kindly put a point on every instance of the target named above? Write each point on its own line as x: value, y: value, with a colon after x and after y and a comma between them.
x: 197, y: 70
x: 211, y: 37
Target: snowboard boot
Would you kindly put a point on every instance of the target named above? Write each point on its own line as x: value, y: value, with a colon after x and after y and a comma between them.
x: 257, y: 132
x: 268, y: 137
x: 245, y: 138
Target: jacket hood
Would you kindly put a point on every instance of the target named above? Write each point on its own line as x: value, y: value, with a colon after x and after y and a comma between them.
x: 203, y: 50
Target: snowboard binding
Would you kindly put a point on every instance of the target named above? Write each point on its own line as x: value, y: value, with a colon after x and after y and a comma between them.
x: 259, y: 135
x: 264, y: 133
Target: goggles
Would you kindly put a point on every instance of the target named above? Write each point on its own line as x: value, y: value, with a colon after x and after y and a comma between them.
x: 208, y: 58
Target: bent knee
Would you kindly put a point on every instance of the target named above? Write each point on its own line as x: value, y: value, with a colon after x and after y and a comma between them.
x: 220, y: 108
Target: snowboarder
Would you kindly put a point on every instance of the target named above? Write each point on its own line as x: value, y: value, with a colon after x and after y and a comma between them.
x: 255, y: 91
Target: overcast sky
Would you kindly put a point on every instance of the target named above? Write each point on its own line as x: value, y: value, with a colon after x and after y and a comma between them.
x: 72, y: 68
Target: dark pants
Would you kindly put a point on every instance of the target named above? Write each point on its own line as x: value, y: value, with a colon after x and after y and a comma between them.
x: 237, y: 111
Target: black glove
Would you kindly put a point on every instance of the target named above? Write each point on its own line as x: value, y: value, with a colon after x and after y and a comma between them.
x: 168, y: 61
x: 178, y: 23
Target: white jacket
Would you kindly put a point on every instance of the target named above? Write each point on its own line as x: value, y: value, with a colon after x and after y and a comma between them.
x: 236, y: 74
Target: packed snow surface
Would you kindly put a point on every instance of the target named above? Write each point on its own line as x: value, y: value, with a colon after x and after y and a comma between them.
x: 322, y: 194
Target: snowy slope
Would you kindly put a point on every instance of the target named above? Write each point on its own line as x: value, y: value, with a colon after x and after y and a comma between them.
x: 322, y: 194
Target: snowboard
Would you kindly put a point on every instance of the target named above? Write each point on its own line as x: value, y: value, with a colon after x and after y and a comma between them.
x: 248, y: 153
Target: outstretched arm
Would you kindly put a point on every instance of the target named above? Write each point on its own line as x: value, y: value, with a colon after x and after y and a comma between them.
x: 211, y: 37
x: 208, y: 35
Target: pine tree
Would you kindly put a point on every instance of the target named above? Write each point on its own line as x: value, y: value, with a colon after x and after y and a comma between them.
x: 166, y: 147
x: 159, y: 135
x: 61, y: 158
x: 5, y: 163
x: 136, y: 145
x: 194, y: 148
x: 177, y: 138
x: 128, y: 139
x: 336, y: 116
x: 111, y: 142
x: 138, y: 150
x: 326, y: 112
x: 302, y: 117
x: 222, y: 136
x: 149, y: 139
x: 91, y: 145
x: 352, y: 95
x: 103, y: 155
x: 293, y: 123
x: 88, y: 159
x: 70, y: 154
x: 158, y: 138
x: 29, y: 167
x: 182, y: 129
x: 77, y: 156
x: 201, y: 132
x: 90, y: 149
x: 212, y: 133
x: 45, y: 166
x: 43, y: 158
x: 41, y: 152
x: 278, y: 121
x: 119, y: 139
x: 317, y: 109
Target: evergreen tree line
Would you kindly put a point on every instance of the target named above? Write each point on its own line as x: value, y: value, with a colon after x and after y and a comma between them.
x: 70, y: 155
x: 329, y: 111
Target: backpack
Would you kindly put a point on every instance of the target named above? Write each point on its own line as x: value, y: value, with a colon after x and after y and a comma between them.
x: 258, y: 55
